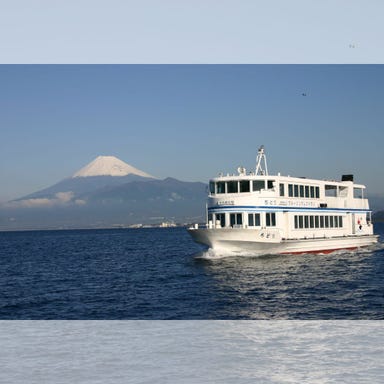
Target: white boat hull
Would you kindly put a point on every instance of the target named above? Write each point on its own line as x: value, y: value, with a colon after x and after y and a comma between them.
x: 258, y: 242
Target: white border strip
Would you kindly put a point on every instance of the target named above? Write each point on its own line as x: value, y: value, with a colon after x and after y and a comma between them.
x: 201, y: 31
x: 191, y: 351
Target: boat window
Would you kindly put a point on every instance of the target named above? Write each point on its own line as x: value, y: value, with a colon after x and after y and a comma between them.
x: 317, y: 191
x: 270, y: 218
x: 296, y: 190
x: 220, y: 187
x: 326, y: 220
x: 236, y: 219
x: 290, y: 190
x: 307, y: 191
x: 311, y: 222
x: 282, y: 190
x: 340, y: 221
x: 233, y: 187
x: 270, y: 184
x: 316, y: 221
x: 335, y: 221
x: 301, y: 222
x: 244, y: 186
x: 221, y: 217
x: 330, y: 190
x: 312, y: 191
x: 302, y: 191
x: 258, y: 185
x: 254, y: 219
x: 358, y: 193
x: 211, y: 187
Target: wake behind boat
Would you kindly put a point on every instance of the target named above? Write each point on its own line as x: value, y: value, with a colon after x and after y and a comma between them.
x: 261, y: 213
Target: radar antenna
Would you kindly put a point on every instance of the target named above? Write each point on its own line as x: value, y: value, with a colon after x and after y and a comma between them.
x: 259, y: 160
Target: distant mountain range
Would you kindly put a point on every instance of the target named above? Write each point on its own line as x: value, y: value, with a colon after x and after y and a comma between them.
x: 107, y: 192
x: 376, y: 203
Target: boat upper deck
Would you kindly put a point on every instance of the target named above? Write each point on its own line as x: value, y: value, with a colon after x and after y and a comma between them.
x: 261, y: 189
x: 286, y: 190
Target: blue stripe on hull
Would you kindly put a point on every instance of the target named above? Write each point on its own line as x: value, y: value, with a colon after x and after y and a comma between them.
x: 282, y: 208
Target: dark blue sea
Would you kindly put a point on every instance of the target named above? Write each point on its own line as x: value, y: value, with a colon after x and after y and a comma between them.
x: 162, y: 274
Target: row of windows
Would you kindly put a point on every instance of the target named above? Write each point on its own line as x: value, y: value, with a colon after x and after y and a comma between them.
x: 242, y: 186
x: 254, y: 219
x: 305, y: 191
x: 342, y: 191
x: 309, y: 221
x: 239, y: 186
x: 301, y: 221
x: 294, y: 190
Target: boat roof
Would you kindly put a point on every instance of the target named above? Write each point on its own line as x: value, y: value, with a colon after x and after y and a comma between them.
x: 281, y: 178
x: 261, y: 173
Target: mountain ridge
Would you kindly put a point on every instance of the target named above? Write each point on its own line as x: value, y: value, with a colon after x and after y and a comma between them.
x: 106, y: 201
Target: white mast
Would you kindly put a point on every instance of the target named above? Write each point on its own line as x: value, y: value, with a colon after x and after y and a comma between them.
x: 259, y: 159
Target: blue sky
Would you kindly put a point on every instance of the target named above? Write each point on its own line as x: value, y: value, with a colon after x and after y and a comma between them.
x: 190, y: 121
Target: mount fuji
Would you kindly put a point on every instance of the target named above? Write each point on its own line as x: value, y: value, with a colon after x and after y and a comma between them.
x: 107, y: 192
x: 109, y: 166
x: 104, y: 171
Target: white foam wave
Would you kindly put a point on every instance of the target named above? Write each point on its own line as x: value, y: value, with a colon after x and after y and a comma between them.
x: 217, y: 254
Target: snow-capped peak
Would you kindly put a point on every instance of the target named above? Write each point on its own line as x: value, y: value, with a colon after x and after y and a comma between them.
x: 109, y: 166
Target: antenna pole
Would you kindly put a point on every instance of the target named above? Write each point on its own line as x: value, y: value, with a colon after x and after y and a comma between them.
x: 259, y: 159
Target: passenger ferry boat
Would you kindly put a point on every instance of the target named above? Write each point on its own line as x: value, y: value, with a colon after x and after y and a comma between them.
x: 256, y: 213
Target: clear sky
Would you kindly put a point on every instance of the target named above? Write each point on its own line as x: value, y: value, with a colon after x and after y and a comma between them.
x: 190, y: 121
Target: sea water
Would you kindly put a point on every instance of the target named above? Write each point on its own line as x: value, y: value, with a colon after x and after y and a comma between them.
x: 161, y: 274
